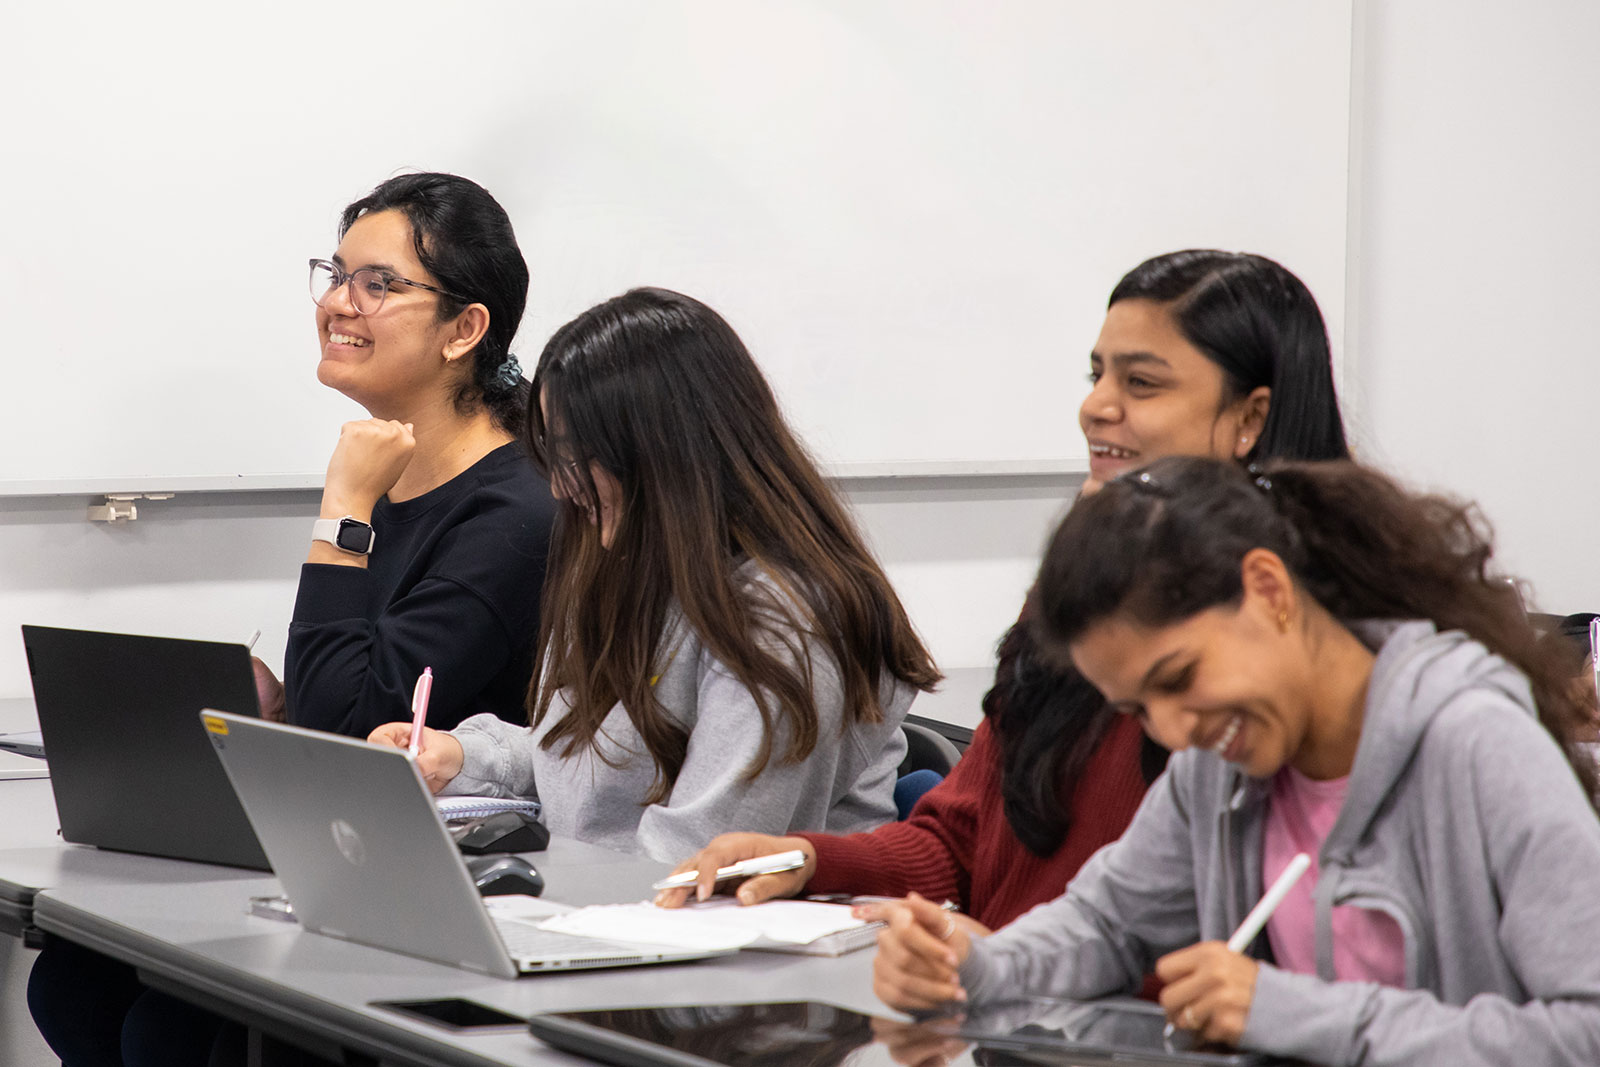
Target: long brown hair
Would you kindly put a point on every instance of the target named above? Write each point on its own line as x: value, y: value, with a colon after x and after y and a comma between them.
x: 1163, y: 544
x: 657, y: 390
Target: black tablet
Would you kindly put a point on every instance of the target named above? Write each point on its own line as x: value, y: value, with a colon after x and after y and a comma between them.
x: 812, y: 1034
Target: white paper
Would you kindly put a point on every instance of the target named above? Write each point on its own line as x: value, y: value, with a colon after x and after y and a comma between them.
x: 718, y: 923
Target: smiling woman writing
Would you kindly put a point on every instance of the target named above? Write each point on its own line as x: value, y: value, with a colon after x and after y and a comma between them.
x: 1339, y: 674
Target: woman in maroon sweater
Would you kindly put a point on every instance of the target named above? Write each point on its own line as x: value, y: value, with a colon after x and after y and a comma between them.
x: 1202, y: 353
x: 957, y: 844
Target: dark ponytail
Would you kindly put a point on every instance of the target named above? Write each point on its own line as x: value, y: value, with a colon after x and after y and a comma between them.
x: 1165, y: 543
x: 1039, y: 713
x: 464, y: 238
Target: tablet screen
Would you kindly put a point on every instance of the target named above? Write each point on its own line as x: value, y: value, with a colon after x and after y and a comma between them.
x: 812, y: 1034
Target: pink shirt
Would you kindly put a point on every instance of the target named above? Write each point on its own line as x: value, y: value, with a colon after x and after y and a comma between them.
x: 1367, y: 945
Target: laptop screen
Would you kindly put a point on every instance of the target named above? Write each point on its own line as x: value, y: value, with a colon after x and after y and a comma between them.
x: 129, y: 764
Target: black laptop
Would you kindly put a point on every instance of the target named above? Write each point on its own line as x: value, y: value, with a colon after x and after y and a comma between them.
x: 131, y: 768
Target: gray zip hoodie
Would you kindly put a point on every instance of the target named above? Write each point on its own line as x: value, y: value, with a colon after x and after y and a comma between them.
x: 1463, y: 822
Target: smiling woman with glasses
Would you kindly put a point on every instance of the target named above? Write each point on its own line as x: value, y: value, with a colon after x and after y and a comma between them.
x: 429, y: 550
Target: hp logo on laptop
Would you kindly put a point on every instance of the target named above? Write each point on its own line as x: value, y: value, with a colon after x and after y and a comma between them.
x: 348, y: 842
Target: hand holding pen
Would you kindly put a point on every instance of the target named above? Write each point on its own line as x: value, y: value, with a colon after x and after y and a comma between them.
x: 1209, y: 986
x: 920, y: 950
x: 419, y: 708
x: 728, y: 849
x: 269, y: 691
x: 438, y: 754
x: 756, y: 867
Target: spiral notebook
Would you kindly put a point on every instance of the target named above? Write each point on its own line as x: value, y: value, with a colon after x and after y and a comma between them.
x: 469, y: 807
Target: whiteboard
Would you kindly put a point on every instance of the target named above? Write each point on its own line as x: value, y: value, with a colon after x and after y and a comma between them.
x: 912, y: 211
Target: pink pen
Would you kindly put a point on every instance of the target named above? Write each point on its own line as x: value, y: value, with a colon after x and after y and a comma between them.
x: 419, y: 707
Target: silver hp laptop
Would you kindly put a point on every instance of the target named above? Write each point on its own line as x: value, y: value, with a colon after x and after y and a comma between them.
x: 355, y: 838
x: 129, y: 770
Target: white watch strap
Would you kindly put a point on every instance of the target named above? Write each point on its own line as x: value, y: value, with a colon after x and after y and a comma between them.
x: 325, y: 530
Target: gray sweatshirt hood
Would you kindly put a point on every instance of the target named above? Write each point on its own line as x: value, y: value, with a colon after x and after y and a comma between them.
x: 1418, y: 672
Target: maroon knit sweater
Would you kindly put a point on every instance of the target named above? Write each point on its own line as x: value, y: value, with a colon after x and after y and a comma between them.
x: 957, y: 845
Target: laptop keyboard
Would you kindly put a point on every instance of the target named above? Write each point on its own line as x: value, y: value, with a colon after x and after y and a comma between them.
x: 525, y: 941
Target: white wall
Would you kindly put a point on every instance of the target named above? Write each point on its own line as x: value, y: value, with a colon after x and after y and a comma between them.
x: 212, y: 567
x: 874, y: 192
x: 1475, y: 274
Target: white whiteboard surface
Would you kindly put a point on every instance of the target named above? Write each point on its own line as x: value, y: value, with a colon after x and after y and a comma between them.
x: 912, y: 211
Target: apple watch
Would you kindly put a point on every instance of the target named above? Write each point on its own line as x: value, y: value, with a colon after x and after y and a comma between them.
x: 348, y: 534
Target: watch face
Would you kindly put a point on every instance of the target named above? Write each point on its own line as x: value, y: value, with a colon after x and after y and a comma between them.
x: 354, y: 536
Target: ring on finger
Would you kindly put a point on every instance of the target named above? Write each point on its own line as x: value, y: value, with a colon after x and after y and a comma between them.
x: 1189, y: 1022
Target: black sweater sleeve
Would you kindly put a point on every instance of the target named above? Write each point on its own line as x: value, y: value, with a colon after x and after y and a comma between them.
x: 453, y: 586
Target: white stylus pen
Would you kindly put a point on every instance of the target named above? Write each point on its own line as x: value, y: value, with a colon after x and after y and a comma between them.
x: 1263, y: 911
x: 1264, y: 908
x: 1594, y: 653
x: 778, y: 861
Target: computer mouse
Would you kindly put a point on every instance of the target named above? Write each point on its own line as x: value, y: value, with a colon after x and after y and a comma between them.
x: 498, y: 875
x: 504, y: 831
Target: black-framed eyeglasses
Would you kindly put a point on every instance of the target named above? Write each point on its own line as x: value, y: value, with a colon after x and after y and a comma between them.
x: 569, y: 472
x: 565, y: 468
x: 368, y: 287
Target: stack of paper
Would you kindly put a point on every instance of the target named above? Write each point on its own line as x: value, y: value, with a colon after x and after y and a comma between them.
x: 778, y: 925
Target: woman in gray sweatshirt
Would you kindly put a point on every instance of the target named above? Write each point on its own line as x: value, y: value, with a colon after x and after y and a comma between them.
x: 1337, y: 672
x: 717, y: 646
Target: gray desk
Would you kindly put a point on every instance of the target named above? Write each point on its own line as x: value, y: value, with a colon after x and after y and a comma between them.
x: 194, y: 938
x: 25, y: 872
x: 185, y: 927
